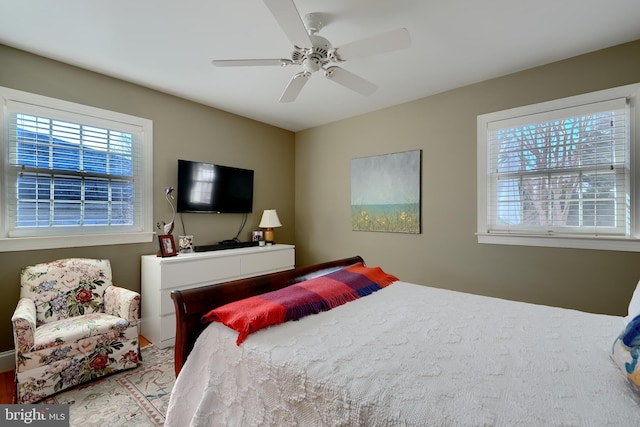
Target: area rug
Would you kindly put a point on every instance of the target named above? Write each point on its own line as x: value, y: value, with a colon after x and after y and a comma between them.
x: 137, y: 397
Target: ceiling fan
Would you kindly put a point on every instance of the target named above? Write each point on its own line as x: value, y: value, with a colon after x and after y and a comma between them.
x: 315, y: 53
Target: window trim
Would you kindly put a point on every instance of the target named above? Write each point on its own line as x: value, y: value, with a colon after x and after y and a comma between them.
x: 630, y: 243
x: 45, y: 241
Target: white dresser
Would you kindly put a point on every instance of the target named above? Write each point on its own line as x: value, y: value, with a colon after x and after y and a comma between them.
x: 160, y: 276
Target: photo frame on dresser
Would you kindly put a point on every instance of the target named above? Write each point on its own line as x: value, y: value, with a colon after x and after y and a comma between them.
x: 167, y: 246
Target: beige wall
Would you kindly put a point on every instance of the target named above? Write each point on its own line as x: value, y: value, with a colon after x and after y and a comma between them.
x: 182, y: 129
x: 447, y: 254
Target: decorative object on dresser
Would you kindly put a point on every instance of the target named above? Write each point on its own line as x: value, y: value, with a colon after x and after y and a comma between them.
x: 186, y: 244
x: 71, y: 325
x: 269, y: 221
x: 167, y: 246
x: 168, y: 228
x: 160, y: 276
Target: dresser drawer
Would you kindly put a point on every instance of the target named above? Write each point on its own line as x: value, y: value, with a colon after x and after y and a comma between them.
x: 266, y: 262
x: 194, y: 271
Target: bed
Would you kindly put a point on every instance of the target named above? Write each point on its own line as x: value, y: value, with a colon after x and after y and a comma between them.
x: 404, y: 355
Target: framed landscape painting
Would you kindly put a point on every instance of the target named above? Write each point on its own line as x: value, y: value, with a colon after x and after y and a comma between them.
x: 385, y: 192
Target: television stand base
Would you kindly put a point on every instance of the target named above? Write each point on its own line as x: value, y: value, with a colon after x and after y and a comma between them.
x: 222, y: 246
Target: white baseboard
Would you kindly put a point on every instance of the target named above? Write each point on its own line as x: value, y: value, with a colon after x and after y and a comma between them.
x: 7, y: 361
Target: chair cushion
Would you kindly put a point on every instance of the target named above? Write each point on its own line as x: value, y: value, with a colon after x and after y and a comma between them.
x: 75, y: 329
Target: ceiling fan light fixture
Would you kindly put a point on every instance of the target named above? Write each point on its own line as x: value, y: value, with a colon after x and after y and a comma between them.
x: 311, y: 64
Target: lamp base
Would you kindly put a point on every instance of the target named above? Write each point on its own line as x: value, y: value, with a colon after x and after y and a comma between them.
x: 269, y: 235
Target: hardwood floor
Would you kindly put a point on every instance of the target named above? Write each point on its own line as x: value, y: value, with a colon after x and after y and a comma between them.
x: 8, y: 385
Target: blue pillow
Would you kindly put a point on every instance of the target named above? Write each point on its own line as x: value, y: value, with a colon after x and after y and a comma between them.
x: 631, y: 334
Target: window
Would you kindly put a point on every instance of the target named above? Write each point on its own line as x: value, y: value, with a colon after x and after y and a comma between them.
x: 73, y: 175
x: 561, y: 173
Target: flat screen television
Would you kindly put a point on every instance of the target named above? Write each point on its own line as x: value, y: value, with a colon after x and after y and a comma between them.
x: 209, y: 188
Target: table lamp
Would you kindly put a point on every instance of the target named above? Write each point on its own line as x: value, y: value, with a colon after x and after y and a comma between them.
x: 268, y: 222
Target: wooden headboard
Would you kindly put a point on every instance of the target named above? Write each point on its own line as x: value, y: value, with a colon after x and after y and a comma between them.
x: 192, y: 304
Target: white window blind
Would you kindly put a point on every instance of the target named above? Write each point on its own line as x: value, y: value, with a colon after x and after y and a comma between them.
x: 565, y: 171
x: 559, y: 169
x: 67, y: 172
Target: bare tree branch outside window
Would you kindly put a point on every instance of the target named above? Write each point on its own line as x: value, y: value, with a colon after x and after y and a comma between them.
x: 558, y: 173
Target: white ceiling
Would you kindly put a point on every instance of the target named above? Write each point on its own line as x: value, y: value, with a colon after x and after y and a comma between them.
x: 168, y: 45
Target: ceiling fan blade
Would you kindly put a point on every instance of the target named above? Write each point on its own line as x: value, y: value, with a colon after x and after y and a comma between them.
x: 294, y: 87
x: 350, y: 80
x: 385, y: 42
x: 249, y: 62
x: 289, y: 19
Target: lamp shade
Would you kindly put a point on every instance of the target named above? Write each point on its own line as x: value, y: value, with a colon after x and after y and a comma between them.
x: 270, y: 219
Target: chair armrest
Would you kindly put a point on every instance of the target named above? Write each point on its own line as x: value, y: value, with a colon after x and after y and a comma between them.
x: 123, y: 303
x: 24, y: 325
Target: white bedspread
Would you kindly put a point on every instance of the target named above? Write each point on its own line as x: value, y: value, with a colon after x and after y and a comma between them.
x: 411, y: 355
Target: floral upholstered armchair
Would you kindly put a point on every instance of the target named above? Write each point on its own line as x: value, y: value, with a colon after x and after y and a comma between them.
x: 71, y: 325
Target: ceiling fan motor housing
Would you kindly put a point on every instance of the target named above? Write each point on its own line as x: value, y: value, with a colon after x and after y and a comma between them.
x: 315, y: 57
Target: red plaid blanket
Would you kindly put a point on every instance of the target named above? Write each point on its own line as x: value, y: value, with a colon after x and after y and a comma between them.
x: 299, y: 300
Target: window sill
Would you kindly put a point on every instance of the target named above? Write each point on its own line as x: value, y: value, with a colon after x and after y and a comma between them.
x: 594, y: 243
x: 16, y: 244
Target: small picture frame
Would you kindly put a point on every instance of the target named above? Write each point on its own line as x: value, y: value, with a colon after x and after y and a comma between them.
x: 185, y: 244
x: 167, y: 245
x: 256, y: 236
